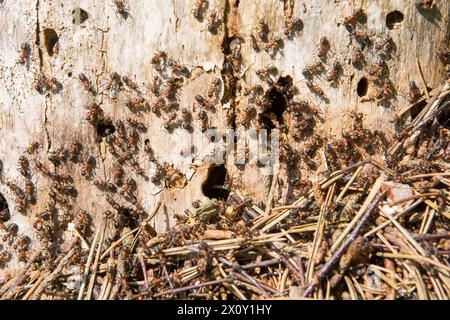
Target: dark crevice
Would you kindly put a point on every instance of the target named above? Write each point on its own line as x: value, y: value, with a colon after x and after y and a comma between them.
x: 51, y: 39
x: 49, y: 141
x: 444, y: 118
x: 277, y: 99
x: 4, y: 209
x: 229, y: 78
x: 415, y: 110
x: 362, y: 87
x: 394, y: 19
x: 105, y: 128
x: 214, y: 186
x: 38, y: 37
x: 227, y: 75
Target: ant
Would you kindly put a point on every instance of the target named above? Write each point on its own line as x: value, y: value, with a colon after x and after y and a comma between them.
x: 86, y: 83
x: 24, y: 53
x: 120, y: 8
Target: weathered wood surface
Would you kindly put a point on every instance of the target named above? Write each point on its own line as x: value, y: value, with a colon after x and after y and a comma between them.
x: 108, y: 42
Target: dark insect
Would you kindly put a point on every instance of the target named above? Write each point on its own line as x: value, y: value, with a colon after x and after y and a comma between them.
x: 254, y: 42
x: 113, y: 203
x: 266, y: 71
x: 273, y: 45
x: 170, y: 105
x: 235, y: 57
x: 203, y: 117
x: 413, y: 92
x: 247, y: 116
x: 384, y: 45
x: 350, y: 21
x: 74, y: 151
x: 16, y: 189
x: 21, y: 204
x: 158, y: 175
x: 149, y: 151
x: 126, y: 156
x: 57, y: 156
x: 137, y: 168
x: 186, y: 119
x: 128, y: 188
x: 312, y: 69
x: 93, y: 113
x: 114, y: 83
x: 130, y: 83
x: 157, y: 58
x: 133, y: 139
x: 87, y: 84
x: 155, y: 86
x: 135, y: 102
x: 214, y: 88
x: 177, y: 68
x: 4, y: 256
x: 42, y: 168
x: 23, y: 165
x: 10, y: 231
x: 62, y: 177
x: 82, y: 221
x: 315, y: 89
x: 385, y: 90
x: 291, y: 26
x: 204, y: 103
x: 121, y: 131
x: 40, y: 83
x: 105, y: 186
x: 24, y: 53
x: 262, y: 30
x: 361, y: 37
x: 213, y: 21
x: 323, y: 47
x: 118, y: 174
x: 44, y: 84
x: 375, y: 69
x: 136, y: 123
x: 120, y: 7
x: 170, y: 123
x: 32, y: 147
x: 4, y: 215
x: 357, y: 56
x: 87, y: 166
x: 334, y: 72
x: 199, y: 8
x: 65, y: 189
x: 253, y: 90
x: 171, y: 86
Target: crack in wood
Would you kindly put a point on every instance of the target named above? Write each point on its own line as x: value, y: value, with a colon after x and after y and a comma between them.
x: 38, y: 37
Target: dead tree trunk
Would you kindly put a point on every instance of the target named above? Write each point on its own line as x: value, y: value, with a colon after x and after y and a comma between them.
x: 331, y: 56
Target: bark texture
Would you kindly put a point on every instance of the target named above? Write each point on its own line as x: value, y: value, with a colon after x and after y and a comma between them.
x: 104, y: 41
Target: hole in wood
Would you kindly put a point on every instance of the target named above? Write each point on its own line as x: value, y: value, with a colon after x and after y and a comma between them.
x: 277, y: 98
x: 444, y: 119
x: 415, y: 110
x: 362, y: 87
x: 105, y: 128
x: 4, y: 209
x: 79, y: 16
x: 51, y: 40
x: 214, y: 186
x: 394, y: 20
